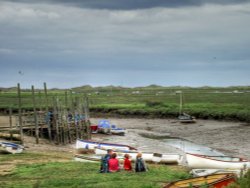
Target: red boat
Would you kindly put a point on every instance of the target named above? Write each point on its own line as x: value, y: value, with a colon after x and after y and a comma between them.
x: 211, y: 181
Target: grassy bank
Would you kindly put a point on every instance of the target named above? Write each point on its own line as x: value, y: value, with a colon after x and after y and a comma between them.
x: 76, y: 174
x: 231, y: 111
x: 35, y: 170
x: 232, y: 103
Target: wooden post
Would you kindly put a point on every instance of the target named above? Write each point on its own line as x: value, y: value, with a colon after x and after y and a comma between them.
x: 40, y: 101
x: 55, y: 119
x: 66, y: 113
x: 87, y: 121
x: 35, y: 115
x: 47, y: 111
x: 10, y: 121
x: 73, y: 109
x: 78, y: 118
x: 66, y: 99
x: 180, y: 110
x: 69, y: 132
x: 20, y: 113
x: 60, y: 113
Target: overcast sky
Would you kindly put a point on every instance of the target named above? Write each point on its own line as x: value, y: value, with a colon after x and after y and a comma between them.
x: 124, y: 42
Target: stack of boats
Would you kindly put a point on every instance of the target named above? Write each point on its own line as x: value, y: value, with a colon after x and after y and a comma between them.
x: 9, y: 147
x: 104, y: 126
x: 211, y: 171
x: 100, y: 149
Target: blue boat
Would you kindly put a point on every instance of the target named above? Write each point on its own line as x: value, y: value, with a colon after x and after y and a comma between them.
x: 9, y: 147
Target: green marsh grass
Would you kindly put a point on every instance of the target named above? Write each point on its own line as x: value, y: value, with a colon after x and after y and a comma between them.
x: 76, y: 174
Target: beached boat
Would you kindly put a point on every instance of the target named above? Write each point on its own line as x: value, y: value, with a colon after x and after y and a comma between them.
x: 213, y: 181
x: 94, y: 128
x: 118, y: 131
x: 147, y: 156
x: 87, y: 158
x: 170, y: 158
x: 206, y: 172
x: 9, y: 147
x: 104, y: 126
x: 215, y: 162
x: 88, y: 144
x: 186, y: 118
x: 91, y: 158
x: 121, y: 153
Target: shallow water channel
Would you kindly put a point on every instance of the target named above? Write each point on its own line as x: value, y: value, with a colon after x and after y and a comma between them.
x: 183, y: 144
x: 190, y: 147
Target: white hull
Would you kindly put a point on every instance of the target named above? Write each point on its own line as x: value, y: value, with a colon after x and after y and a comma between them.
x: 159, y: 158
x: 167, y: 158
x: 91, y: 158
x: 88, y: 158
x: 223, y: 162
x: 132, y: 154
x: 7, y: 147
x: 104, y: 130
x: 118, y: 131
x: 85, y: 144
x: 206, y: 172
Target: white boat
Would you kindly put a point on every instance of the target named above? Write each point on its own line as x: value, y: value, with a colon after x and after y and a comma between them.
x: 104, y: 126
x: 184, y: 117
x: 9, y: 147
x: 215, y: 162
x: 150, y: 157
x: 121, y: 153
x: 118, y: 131
x: 167, y: 158
x: 92, y: 158
x: 87, y: 158
x: 87, y: 144
x: 206, y: 172
x: 104, y: 130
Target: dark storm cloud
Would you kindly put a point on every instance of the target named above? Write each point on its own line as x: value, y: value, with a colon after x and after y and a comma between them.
x: 133, y: 4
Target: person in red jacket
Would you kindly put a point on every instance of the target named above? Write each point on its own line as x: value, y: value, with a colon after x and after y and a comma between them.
x: 113, y: 163
x: 127, y: 163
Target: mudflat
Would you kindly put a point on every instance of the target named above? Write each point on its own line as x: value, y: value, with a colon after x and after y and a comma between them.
x: 230, y: 138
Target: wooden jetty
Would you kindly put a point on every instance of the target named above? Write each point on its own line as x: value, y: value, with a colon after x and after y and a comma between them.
x: 60, y: 121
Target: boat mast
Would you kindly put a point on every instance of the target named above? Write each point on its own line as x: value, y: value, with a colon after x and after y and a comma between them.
x: 180, y: 112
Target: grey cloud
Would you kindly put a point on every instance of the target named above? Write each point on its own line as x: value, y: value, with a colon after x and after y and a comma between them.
x: 72, y: 46
x: 133, y: 4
